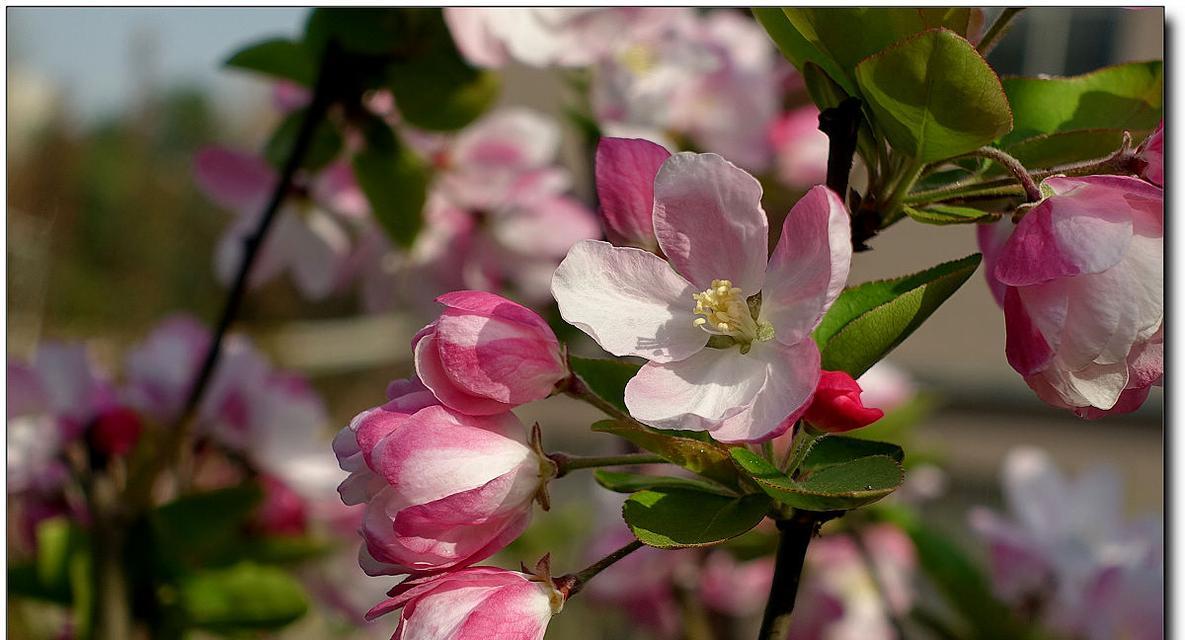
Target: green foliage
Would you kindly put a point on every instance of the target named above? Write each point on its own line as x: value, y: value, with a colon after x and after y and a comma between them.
x: 943, y: 214
x: 624, y: 482
x: 201, y: 529
x: 278, y: 57
x: 243, y: 597
x: 674, y: 518
x: 934, y: 96
x: 53, y: 575
x: 833, y: 487
x: 395, y: 182
x: 324, y: 147
x: 867, y: 321
x: 693, y: 452
x: 833, y: 449
x: 797, y: 49
x: 606, y: 378
x: 1126, y: 96
x: 370, y: 31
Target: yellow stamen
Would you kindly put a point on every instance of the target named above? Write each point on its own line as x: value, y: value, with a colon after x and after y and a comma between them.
x: 725, y: 312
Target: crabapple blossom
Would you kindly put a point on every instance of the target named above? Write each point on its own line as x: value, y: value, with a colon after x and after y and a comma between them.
x: 721, y: 359
x: 625, y: 171
x: 1065, y: 543
x: 472, y: 604
x: 1081, y: 282
x: 443, y: 489
x: 486, y: 355
x: 840, y: 599
x: 836, y: 405
x: 1151, y: 156
x: 309, y: 238
x: 801, y: 148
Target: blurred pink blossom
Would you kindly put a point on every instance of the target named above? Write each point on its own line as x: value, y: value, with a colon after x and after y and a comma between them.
x: 1065, y: 544
x: 1081, y: 282
x: 752, y: 383
x: 800, y: 147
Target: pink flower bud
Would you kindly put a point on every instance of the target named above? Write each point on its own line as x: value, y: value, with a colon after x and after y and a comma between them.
x: 486, y: 355
x: 115, y: 432
x: 625, y: 171
x: 443, y: 489
x: 472, y: 604
x: 1151, y: 155
x: 1082, y: 277
x: 836, y: 407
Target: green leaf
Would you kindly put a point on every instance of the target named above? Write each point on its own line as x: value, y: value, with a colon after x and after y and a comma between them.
x: 848, y: 35
x: 833, y: 449
x: 689, y: 450
x: 624, y: 482
x: 960, y: 582
x: 943, y: 214
x: 796, y: 48
x: 606, y: 378
x: 867, y: 321
x: 203, y: 528
x: 286, y: 549
x: 679, y: 518
x: 934, y: 96
x: 371, y: 31
x: 1125, y: 96
x: 835, y: 487
x: 822, y: 89
x: 243, y: 597
x: 1065, y: 147
x: 323, y: 149
x: 395, y: 182
x: 277, y: 57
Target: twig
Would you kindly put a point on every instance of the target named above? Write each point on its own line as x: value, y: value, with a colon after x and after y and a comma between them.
x: 996, y: 32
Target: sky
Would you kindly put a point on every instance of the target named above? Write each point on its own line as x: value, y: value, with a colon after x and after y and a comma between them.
x: 94, y: 55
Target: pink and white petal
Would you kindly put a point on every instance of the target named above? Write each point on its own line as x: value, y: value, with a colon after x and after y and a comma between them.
x: 1130, y: 400
x: 432, y: 372
x: 793, y: 375
x: 235, y: 180
x: 228, y: 255
x: 473, y: 38
x: 519, y: 612
x: 69, y: 379
x: 629, y: 300
x: 697, y: 393
x: 1096, y: 385
x: 497, y: 359
x: 625, y: 172
x: 991, y: 239
x: 1152, y: 153
x: 1063, y: 237
x: 514, y: 137
x: 546, y: 227
x: 1027, y: 350
x: 317, y: 252
x: 809, y: 266
x: 709, y: 221
x: 336, y: 189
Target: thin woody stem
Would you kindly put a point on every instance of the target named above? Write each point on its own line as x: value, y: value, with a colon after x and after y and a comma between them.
x: 566, y: 463
x: 572, y: 583
x: 996, y: 32
x: 1018, y: 171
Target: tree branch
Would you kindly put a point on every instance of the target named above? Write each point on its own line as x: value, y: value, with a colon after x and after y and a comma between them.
x: 795, y: 534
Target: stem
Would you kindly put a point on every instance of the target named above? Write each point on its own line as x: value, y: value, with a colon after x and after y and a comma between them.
x: 572, y: 583
x: 841, y: 123
x: 565, y: 462
x: 996, y: 32
x: 795, y: 535
x: 577, y: 389
x: 1018, y: 171
x: 893, y: 206
x: 804, y: 438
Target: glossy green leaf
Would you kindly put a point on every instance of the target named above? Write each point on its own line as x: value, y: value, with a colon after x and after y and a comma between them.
x: 679, y: 518
x: 241, y: 598
x: 867, y: 321
x: 689, y: 450
x: 934, y: 96
x: 323, y: 149
x: 624, y: 482
x: 834, y: 449
x: 279, y: 58
x: 1125, y: 96
x: 942, y: 214
x: 796, y: 48
x: 395, y: 182
x: 847, y: 35
x: 604, y: 377
x: 835, y: 487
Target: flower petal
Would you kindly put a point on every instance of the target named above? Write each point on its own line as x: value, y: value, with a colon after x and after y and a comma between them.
x: 435, y: 376
x: 1027, y: 350
x: 238, y: 181
x: 793, y: 375
x: 629, y: 300
x: 697, y: 393
x: 625, y: 172
x: 709, y: 221
x: 809, y: 267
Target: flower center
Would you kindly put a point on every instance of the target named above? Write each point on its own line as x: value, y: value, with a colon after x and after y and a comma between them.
x: 725, y: 311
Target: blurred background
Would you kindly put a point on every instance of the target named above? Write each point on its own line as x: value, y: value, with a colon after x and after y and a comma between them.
x: 107, y: 233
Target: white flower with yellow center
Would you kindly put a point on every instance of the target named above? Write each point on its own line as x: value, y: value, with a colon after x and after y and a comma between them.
x: 726, y: 331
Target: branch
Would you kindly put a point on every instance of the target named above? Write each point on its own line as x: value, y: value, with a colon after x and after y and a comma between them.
x: 566, y: 463
x: 1018, y: 171
x: 795, y: 534
x: 996, y: 32
x: 571, y: 584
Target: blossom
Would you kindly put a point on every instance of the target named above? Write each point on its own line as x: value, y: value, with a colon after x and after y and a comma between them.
x: 800, y: 146
x: 836, y: 406
x: 840, y: 599
x: 1081, y: 282
x: 1065, y: 544
x: 720, y: 359
x: 485, y: 354
x: 1151, y: 157
x: 472, y: 604
x: 443, y: 489
x: 308, y: 238
x: 625, y: 171
x: 735, y: 588
x: 885, y: 387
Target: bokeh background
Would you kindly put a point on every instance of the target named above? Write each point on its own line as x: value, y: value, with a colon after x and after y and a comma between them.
x: 107, y: 233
